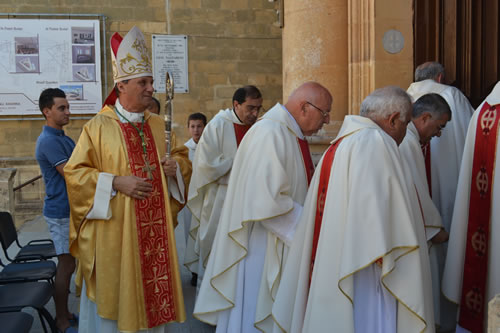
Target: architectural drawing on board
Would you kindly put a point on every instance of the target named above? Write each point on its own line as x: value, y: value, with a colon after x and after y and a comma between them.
x: 73, y: 92
x: 27, y: 54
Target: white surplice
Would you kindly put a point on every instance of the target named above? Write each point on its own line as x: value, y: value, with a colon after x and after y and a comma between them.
x: 412, y: 153
x: 184, y: 216
x: 265, y: 194
x: 368, y: 215
x: 212, y: 165
x: 454, y: 267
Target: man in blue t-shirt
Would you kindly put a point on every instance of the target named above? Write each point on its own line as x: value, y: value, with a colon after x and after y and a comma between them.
x: 53, y: 149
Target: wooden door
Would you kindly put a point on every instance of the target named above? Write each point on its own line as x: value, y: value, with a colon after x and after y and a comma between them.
x: 464, y: 36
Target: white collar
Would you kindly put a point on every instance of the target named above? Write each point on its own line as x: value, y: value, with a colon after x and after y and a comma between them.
x: 295, y: 125
x: 134, y: 117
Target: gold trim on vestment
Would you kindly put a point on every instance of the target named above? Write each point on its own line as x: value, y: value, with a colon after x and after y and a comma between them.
x: 371, y: 263
x: 229, y: 234
x: 278, y: 324
x: 274, y: 282
x: 410, y: 249
x: 400, y: 301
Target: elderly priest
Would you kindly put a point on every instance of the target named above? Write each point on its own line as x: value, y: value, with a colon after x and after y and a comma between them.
x: 269, y: 180
x: 359, y: 259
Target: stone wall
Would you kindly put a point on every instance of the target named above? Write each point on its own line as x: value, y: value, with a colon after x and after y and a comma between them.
x: 230, y: 43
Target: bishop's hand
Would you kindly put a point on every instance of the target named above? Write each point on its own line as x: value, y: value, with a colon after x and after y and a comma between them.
x: 169, y: 166
x: 135, y: 187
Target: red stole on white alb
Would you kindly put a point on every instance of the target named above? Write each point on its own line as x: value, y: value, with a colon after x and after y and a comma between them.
x: 474, y: 286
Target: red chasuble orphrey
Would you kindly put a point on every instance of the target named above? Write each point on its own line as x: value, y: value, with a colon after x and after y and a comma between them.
x: 151, y: 219
x: 472, y: 304
x: 324, y: 179
x: 306, y: 158
x: 240, y: 131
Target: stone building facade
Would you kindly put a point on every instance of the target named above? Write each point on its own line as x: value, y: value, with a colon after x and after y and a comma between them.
x: 230, y: 43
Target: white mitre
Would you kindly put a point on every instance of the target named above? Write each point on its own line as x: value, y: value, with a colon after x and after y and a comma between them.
x: 130, y: 57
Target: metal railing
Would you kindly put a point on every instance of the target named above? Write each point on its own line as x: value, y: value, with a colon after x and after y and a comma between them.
x: 32, y: 180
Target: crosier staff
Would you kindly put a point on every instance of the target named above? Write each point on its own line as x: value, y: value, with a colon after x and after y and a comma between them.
x: 169, y: 88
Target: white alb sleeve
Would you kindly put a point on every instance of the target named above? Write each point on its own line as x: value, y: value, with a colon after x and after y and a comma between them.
x: 176, y: 185
x: 103, y: 194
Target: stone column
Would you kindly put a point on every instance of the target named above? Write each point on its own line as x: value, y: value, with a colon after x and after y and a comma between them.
x: 6, y: 189
x: 350, y: 46
x: 315, y: 48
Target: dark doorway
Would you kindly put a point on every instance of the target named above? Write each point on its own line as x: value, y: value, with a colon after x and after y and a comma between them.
x: 464, y: 36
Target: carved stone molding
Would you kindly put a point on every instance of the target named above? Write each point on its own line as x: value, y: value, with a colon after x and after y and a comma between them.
x: 361, y: 51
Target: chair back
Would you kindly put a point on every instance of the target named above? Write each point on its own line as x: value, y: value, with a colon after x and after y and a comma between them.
x: 8, y: 233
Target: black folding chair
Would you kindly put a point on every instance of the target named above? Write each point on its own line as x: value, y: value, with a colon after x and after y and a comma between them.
x: 16, y: 322
x: 27, y: 271
x: 17, y: 296
x: 43, y: 248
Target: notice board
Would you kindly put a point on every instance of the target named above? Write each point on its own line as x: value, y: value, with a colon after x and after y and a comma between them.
x: 170, y: 54
x: 36, y: 54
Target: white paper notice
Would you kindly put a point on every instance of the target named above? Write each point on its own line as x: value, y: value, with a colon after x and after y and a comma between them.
x: 170, y: 54
x: 39, y: 54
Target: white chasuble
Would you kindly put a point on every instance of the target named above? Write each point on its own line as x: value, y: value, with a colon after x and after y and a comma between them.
x: 412, y: 153
x: 454, y: 267
x: 212, y: 165
x: 268, y: 185
x: 446, y: 150
x: 369, y: 219
x: 445, y: 159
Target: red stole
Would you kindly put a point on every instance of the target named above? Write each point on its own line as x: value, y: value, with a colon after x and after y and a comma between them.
x: 426, y: 150
x: 306, y: 158
x: 239, y: 132
x: 151, y: 219
x: 472, y: 304
x: 324, y: 179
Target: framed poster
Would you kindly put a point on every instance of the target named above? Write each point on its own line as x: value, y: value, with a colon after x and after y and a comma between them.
x: 36, y: 54
x: 170, y: 54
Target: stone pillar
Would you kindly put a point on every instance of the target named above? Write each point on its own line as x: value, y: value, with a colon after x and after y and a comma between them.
x: 6, y: 189
x: 494, y: 315
x: 315, y: 48
x: 350, y: 46
x: 361, y: 52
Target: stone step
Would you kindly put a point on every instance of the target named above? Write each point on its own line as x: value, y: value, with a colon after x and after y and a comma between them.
x: 27, y: 210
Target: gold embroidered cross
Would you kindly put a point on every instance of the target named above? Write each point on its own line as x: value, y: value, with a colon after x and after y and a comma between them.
x: 156, y: 308
x: 150, y: 224
x: 150, y: 251
x: 133, y: 138
x: 156, y: 279
x: 147, y: 168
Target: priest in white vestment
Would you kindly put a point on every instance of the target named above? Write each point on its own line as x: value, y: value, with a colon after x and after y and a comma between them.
x: 445, y: 155
x: 446, y: 150
x: 268, y: 184
x: 359, y: 261
x: 430, y: 115
x: 480, y: 245
x: 212, y: 165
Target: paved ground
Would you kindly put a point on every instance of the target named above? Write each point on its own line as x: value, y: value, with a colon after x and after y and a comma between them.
x: 37, y: 229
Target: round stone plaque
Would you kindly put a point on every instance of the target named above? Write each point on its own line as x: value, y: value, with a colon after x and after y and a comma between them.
x: 393, y: 41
